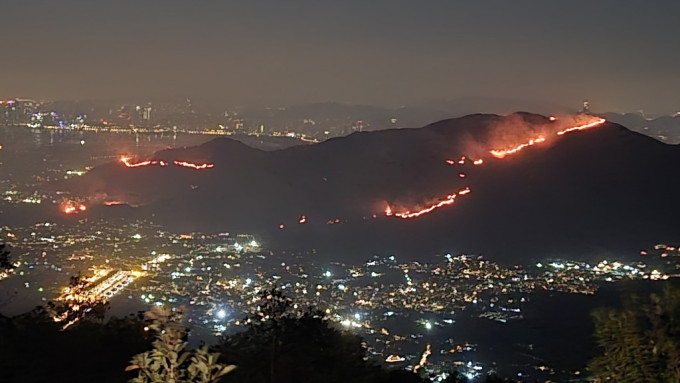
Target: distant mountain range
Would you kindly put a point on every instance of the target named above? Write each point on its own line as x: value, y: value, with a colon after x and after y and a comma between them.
x: 664, y: 128
x: 586, y: 194
x: 331, y: 119
x: 321, y: 120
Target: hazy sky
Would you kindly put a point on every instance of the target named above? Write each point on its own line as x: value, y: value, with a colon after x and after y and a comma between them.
x: 622, y: 55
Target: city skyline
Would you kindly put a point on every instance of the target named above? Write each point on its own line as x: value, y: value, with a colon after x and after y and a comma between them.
x: 315, y: 191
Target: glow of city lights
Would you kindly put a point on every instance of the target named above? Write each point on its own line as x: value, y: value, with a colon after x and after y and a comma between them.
x: 394, y: 359
x: 423, y: 358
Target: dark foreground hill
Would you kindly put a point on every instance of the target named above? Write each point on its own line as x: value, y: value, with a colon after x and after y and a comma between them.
x: 589, y: 193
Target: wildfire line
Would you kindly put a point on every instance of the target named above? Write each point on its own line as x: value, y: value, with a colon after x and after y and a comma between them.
x: 582, y: 127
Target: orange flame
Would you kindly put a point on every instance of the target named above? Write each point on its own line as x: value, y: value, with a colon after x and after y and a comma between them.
x: 194, y: 166
x: 126, y: 161
x: 448, y: 200
x: 500, y: 153
x: 593, y: 124
x: 74, y: 208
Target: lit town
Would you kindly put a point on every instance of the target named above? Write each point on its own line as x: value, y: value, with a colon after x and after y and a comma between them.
x: 339, y: 192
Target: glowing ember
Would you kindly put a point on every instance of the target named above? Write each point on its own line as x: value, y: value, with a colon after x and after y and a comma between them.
x: 194, y: 166
x: 127, y: 162
x: 448, y: 200
x: 281, y: 226
x: 113, y: 203
x: 302, y: 219
x: 500, y: 153
x: 593, y: 124
x: 74, y: 208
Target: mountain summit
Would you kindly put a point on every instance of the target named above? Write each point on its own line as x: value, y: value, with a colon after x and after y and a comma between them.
x: 514, y: 188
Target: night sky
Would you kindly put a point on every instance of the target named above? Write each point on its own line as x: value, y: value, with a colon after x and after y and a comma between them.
x: 621, y: 55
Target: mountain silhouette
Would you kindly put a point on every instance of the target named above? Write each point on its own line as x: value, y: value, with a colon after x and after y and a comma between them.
x: 604, y: 191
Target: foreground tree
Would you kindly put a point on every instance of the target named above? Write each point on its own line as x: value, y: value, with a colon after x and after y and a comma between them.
x: 5, y: 261
x: 169, y: 362
x: 640, y: 343
x: 455, y: 377
x: 33, y: 348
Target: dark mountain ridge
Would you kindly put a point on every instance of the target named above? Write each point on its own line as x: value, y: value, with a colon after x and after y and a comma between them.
x: 600, y: 191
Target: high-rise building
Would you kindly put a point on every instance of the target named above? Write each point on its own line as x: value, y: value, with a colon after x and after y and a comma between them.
x: 146, y: 114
